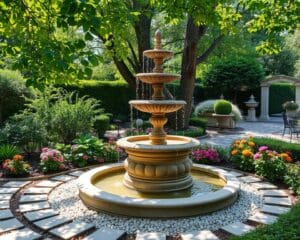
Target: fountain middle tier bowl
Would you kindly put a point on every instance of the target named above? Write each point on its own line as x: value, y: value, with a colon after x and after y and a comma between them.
x: 157, y: 78
x: 101, y: 189
x: 157, y: 106
x: 158, y: 54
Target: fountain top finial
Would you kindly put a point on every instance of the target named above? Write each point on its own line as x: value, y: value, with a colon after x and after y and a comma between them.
x: 157, y: 39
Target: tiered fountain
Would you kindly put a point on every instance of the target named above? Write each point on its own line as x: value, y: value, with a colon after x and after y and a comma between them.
x: 158, y: 180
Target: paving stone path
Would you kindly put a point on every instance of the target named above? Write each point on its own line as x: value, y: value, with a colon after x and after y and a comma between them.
x: 34, y: 207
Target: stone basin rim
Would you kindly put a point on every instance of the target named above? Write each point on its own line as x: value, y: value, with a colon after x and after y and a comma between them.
x: 158, y: 102
x: 155, y: 74
x: 131, y: 142
x: 86, y: 186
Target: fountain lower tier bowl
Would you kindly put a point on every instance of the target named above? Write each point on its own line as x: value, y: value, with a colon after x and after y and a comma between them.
x: 157, y: 78
x: 157, y: 106
x: 101, y: 189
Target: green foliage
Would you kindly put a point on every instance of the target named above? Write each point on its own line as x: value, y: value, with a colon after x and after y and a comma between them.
x: 287, y: 227
x: 52, y: 160
x: 101, y: 124
x: 198, y: 132
x: 222, y: 107
x: 279, y: 94
x: 12, y: 93
x: 292, y: 177
x: 233, y: 74
x: 114, y: 95
x: 72, y: 116
x: 16, y: 166
x: 279, y: 146
x: 198, y: 122
x: 290, y: 105
x: 24, y: 131
x: 270, y: 165
x: 7, y: 151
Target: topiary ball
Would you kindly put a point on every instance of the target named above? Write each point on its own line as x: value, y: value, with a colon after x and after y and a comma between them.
x: 223, y: 107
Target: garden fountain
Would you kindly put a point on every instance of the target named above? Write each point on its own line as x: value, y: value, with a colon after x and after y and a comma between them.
x: 157, y: 177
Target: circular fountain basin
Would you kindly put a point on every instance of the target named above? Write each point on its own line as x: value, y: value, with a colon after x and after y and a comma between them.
x: 157, y: 106
x: 100, y: 189
x: 158, y: 53
x: 157, y: 78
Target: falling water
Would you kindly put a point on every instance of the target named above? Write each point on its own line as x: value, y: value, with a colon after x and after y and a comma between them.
x: 137, y: 88
x: 176, y: 122
x: 131, y: 118
x: 183, y: 112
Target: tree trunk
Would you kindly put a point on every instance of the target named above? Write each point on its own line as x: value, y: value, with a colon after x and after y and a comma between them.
x: 188, y: 69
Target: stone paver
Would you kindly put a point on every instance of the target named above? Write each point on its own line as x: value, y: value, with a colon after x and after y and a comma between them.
x: 263, y: 218
x: 47, y: 183
x: 5, y: 196
x: 22, y: 234
x: 71, y: 230
x: 76, y: 173
x: 201, y: 235
x: 4, y: 204
x: 107, y: 234
x: 274, y: 209
x: 238, y: 228
x: 15, y: 184
x: 52, y: 222
x: 8, y: 190
x: 33, y: 198
x: 5, y: 214
x: 263, y: 185
x: 278, y: 201
x: 250, y: 179
x: 63, y: 178
x: 41, y: 214
x: 236, y: 174
x: 33, y: 206
x: 274, y: 193
x: 151, y: 236
x: 10, y: 224
x: 38, y: 190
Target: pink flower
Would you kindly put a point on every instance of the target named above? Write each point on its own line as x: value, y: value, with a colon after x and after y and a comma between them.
x: 45, y: 158
x: 62, y: 167
x: 263, y: 148
x: 85, y: 157
x: 45, y: 149
x: 55, y: 159
x: 256, y: 156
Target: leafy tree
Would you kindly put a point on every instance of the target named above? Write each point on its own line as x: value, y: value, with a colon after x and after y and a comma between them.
x: 231, y: 75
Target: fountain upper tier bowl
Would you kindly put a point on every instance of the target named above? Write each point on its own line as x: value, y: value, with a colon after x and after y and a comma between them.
x: 158, y: 53
x: 157, y: 106
x: 157, y: 78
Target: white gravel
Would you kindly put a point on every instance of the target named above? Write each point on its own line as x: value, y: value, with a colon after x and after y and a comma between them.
x: 65, y: 199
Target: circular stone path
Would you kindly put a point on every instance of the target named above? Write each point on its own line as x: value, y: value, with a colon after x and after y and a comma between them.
x: 51, y: 209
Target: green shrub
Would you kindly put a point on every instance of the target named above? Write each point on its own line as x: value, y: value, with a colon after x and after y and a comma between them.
x: 293, y: 149
x: 191, y: 132
x: 198, y: 122
x: 101, y: 124
x: 290, y: 105
x: 208, y: 107
x: 286, y: 228
x: 113, y: 95
x: 7, y: 151
x: 222, y: 107
x: 12, y: 92
x: 279, y: 94
x: 292, y: 177
x: 24, y: 131
x: 72, y: 116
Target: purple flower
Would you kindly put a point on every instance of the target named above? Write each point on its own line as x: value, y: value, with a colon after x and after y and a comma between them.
x: 263, y: 148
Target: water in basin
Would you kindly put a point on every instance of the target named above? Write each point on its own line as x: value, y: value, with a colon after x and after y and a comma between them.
x: 203, y: 183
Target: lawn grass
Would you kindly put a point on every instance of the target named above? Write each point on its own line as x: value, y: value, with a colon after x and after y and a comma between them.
x: 286, y: 228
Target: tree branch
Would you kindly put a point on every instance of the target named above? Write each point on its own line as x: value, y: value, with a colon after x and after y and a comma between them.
x: 135, y: 62
x: 208, y: 51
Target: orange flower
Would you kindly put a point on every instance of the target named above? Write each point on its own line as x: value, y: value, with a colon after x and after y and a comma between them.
x: 285, y: 157
x: 241, y: 146
x: 251, y: 144
x: 244, y: 141
x: 247, y: 153
x: 233, y: 152
x: 237, y: 142
x: 18, y: 157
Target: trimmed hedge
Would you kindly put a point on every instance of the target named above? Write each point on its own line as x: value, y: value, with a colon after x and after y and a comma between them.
x: 114, y: 95
x: 286, y: 228
x: 279, y: 146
